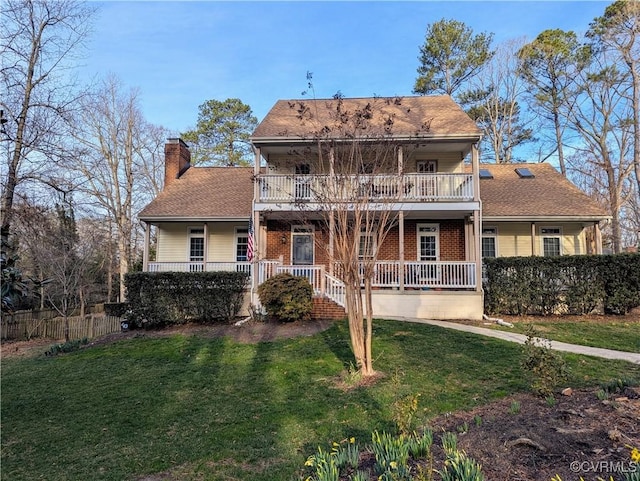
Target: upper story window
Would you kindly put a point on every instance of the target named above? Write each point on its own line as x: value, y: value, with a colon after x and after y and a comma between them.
x: 427, y: 166
x: 551, y: 241
x: 524, y: 173
x: 303, y: 169
x: 489, y: 242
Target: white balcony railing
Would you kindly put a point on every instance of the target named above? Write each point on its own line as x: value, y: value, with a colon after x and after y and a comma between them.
x: 387, y: 187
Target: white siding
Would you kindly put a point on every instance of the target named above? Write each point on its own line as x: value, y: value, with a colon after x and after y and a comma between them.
x: 514, y: 238
x: 173, y: 241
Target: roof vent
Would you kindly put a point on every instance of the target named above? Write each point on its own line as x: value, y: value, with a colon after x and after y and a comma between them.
x: 486, y: 174
x: 524, y: 173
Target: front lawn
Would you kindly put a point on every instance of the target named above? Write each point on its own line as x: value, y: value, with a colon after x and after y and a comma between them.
x: 214, y: 409
x: 605, y: 332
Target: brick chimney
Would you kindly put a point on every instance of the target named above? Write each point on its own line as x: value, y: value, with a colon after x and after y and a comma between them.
x: 177, y: 160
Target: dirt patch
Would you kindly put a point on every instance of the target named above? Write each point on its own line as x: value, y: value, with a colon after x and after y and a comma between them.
x: 580, y: 435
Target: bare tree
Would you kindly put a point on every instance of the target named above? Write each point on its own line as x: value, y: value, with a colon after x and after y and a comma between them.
x: 601, y: 116
x: 351, y: 148
x: 498, y: 112
x: 111, y: 147
x: 618, y: 31
x: 38, y: 41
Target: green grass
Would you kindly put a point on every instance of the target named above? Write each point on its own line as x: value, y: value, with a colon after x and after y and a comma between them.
x: 213, y: 409
x: 617, y: 335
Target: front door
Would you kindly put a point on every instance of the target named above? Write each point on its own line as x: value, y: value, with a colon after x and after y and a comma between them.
x: 302, y: 246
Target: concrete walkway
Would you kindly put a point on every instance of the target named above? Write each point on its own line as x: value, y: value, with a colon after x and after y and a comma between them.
x: 520, y: 338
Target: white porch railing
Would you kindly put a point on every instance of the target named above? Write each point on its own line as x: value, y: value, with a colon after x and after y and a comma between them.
x: 401, y: 188
x: 387, y: 274
x: 448, y: 275
x: 199, y: 266
x: 314, y: 274
x: 335, y: 290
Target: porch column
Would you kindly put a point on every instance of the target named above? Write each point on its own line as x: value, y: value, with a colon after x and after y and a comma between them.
x: 597, y: 237
x: 533, y: 239
x: 401, y: 249
x: 477, y: 217
x: 257, y: 233
x: 145, y: 251
x: 205, y: 257
x: 332, y: 228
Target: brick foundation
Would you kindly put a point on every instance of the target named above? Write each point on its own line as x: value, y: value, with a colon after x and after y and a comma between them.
x: 324, y: 308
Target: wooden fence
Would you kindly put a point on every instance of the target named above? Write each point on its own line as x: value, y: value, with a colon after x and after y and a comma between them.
x: 89, y: 326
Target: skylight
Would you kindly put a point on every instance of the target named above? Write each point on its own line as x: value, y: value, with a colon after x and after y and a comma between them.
x: 524, y: 173
x: 486, y: 174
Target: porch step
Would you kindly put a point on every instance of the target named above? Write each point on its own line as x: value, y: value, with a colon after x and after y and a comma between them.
x: 324, y: 308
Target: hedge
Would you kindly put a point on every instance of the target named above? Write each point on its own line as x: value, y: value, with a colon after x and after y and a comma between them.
x: 562, y: 285
x: 157, y: 299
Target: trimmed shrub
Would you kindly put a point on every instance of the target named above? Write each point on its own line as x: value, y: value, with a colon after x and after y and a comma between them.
x: 286, y: 297
x: 157, y: 299
x: 558, y: 285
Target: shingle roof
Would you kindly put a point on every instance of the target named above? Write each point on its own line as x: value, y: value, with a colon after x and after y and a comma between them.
x: 227, y: 192
x: 547, y: 194
x: 411, y: 117
x: 205, y: 193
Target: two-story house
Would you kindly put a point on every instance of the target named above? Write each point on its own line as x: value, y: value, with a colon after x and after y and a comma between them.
x: 447, y: 210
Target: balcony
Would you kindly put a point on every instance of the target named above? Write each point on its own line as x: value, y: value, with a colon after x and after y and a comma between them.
x: 407, y: 188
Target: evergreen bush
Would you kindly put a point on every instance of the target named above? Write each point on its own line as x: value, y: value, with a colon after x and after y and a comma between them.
x: 286, y: 297
x: 157, y: 299
x: 562, y: 285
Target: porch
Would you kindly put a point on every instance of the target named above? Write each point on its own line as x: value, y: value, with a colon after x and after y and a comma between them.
x: 392, y: 275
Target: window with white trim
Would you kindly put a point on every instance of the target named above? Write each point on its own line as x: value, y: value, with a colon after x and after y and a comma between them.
x: 427, y: 166
x: 242, y: 244
x: 428, y: 242
x: 196, y: 249
x: 490, y: 242
x: 366, y: 244
x: 551, y: 241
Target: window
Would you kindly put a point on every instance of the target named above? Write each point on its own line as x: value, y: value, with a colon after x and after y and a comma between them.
x: 196, y: 250
x: 428, y: 242
x: 524, y: 173
x: 489, y: 242
x: 366, y: 245
x: 486, y: 174
x: 427, y: 166
x: 551, y: 241
x: 242, y: 244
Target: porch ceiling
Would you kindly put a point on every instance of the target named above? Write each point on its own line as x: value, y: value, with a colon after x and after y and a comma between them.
x: 413, y: 214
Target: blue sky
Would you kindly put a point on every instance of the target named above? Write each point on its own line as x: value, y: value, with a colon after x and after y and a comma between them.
x: 180, y: 54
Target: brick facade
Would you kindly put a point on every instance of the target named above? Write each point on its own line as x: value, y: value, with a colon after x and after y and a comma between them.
x: 452, y: 242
